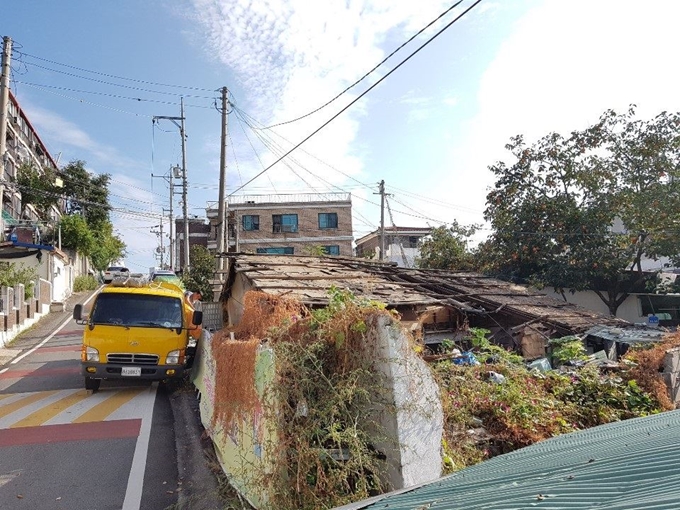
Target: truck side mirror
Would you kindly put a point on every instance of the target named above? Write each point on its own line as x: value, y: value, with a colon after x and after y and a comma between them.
x: 197, y: 318
x: 78, y: 312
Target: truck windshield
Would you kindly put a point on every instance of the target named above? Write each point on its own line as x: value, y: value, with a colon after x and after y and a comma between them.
x: 137, y: 310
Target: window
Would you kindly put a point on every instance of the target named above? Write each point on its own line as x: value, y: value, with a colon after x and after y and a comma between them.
x: 251, y: 222
x: 328, y: 220
x: 287, y: 250
x: 658, y: 304
x: 413, y: 241
x: 333, y: 249
x: 284, y: 223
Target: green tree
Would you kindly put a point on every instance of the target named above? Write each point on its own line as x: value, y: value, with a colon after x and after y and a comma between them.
x: 107, y: 247
x: 87, y: 228
x: 37, y: 186
x: 447, y: 248
x: 201, y: 272
x: 76, y: 235
x: 582, y: 212
x: 86, y: 193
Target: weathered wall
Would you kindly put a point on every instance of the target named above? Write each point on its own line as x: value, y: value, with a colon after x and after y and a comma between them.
x: 410, y: 420
x: 414, y: 425
x: 240, y: 449
x: 671, y: 373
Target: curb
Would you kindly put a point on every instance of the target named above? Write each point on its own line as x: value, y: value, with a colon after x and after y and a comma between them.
x: 200, y: 489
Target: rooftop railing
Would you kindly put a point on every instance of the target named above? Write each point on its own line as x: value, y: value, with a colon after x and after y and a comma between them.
x: 283, y: 198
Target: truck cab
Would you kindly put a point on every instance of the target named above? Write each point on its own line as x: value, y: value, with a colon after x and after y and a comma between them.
x: 137, y: 329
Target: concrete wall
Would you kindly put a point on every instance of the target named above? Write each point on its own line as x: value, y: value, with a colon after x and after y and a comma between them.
x: 629, y: 310
x: 671, y: 373
x: 411, y: 418
x: 18, y: 313
x: 240, y: 449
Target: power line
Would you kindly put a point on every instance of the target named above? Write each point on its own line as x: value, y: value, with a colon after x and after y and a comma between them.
x: 364, y: 93
x: 105, y: 94
x: 20, y: 53
x: 240, y: 112
x: 372, y: 70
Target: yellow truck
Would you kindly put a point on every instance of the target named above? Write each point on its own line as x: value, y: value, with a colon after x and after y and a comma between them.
x: 137, y: 330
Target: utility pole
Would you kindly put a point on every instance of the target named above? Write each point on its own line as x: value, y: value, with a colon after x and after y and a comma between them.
x: 4, y: 103
x: 160, y: 234
x: 382, y: 218
x: 184, y: 179
x: 221, y: 207
x: 185, y: 209
x: 172, y: 174
x: 170, y: 243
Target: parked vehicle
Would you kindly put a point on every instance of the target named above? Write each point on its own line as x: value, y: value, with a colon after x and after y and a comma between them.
x: 115, y: 271
x: 164, y: 275
x: 137, y: 330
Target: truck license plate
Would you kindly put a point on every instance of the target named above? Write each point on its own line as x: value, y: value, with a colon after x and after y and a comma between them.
x: 131, y: 371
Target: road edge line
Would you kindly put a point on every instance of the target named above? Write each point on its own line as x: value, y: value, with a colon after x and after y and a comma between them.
x: 31, y: 351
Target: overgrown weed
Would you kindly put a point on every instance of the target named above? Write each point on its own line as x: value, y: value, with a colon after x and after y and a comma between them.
x: 324, y: 391
x: 484, y: 418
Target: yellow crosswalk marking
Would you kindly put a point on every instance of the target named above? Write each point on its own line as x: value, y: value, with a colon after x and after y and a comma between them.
x: 108, y: 406
x: 50, y: 411
x: 26, y: 401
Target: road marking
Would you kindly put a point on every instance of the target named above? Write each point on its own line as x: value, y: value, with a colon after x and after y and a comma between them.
x: 39, y: 372
x: 133, y: 493
x: 26, y: 401
x: 63, y: 325
x: 108, y: 406
x: 48, y: 412
x: 9, y: 477
x: 61, y: 348
x: 47, y: 434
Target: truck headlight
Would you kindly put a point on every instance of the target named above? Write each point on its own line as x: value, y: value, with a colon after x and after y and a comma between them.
x: 89, y: 354
x: 174, y: 357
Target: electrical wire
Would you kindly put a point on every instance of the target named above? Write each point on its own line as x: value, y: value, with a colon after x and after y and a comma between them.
x: 372, y: 70
x: 20, y: 53
x: 364, y: 93
x: 104, y: 94
x: 240, y: 112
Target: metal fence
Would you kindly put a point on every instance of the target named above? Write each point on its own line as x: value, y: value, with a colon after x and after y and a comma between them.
x: 212, y: 316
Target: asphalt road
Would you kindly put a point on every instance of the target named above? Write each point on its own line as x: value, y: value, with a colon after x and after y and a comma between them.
x: 62, y: 447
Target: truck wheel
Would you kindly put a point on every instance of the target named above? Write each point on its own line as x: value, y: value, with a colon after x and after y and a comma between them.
x: 92, y: 384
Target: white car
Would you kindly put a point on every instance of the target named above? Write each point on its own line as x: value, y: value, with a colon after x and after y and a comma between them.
x: 114, y: 271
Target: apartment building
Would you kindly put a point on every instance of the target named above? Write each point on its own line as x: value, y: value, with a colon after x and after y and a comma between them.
x: 22, y: 146
x: 401, y: 244
x: 287, y: 224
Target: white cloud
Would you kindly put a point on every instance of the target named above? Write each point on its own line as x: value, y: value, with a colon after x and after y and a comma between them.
x: 293, y: 56
x: 564, y: 64
x: 52, y: 126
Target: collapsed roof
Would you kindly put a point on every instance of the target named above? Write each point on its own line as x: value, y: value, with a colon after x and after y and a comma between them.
x: 309, y: 279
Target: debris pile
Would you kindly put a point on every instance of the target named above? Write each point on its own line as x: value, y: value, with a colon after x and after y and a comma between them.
x: 502, y: 403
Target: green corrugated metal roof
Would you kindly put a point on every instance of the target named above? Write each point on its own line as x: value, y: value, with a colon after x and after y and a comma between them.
x: 629, y: 464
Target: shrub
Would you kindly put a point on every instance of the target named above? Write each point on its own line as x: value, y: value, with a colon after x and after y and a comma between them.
x: 85, y: 282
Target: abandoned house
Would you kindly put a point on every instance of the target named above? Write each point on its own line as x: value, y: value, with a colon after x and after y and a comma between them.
x: 434, y: 305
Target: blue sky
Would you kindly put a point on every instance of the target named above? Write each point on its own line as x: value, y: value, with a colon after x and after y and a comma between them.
x: 91, y: 75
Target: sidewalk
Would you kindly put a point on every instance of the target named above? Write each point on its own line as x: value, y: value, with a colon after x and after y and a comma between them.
x: 31, y: 337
